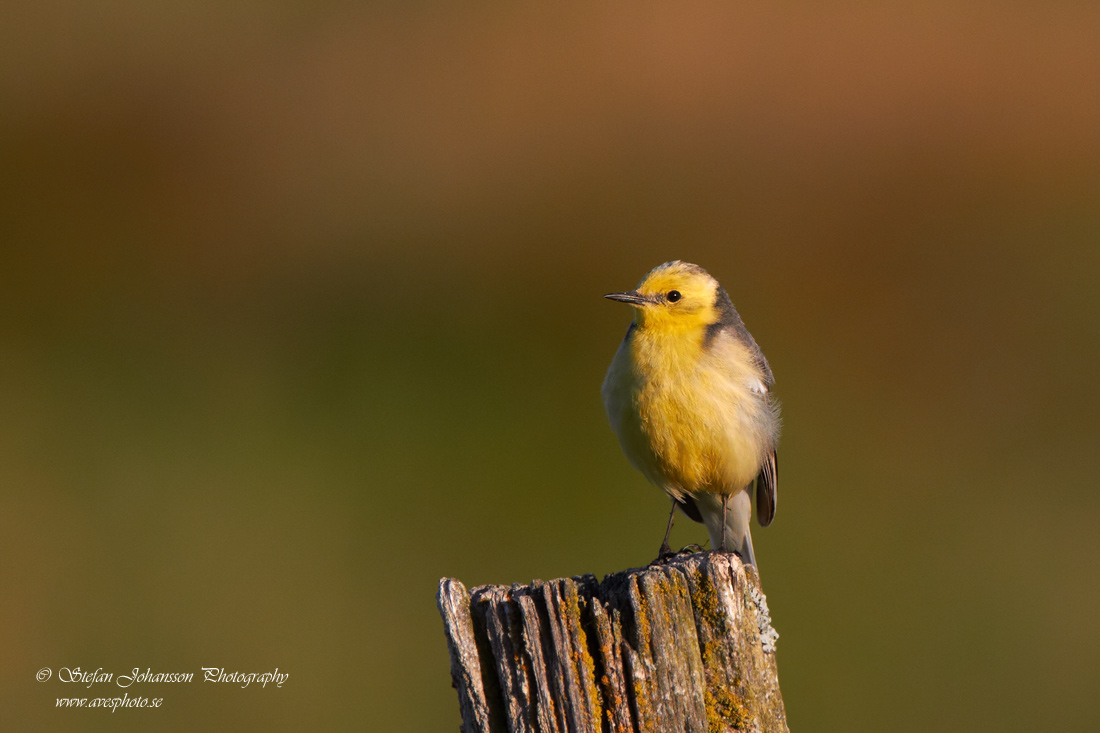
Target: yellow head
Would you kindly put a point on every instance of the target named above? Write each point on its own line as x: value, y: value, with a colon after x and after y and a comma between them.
x: 675, y: 297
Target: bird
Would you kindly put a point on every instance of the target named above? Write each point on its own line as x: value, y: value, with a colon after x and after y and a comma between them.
x: 688, y: 394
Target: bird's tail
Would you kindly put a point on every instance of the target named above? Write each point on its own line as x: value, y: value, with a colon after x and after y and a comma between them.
x: 730, y: 521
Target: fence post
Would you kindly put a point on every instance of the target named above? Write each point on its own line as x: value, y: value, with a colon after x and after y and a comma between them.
x: 686, y: 645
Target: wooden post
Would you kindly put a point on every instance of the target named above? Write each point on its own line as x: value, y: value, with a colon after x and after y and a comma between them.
x: 686, y: 645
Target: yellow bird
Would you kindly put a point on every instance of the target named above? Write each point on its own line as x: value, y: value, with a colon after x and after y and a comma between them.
x: 689, y: 396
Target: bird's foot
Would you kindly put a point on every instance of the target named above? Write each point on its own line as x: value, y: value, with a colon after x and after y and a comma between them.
x: 666, y: 553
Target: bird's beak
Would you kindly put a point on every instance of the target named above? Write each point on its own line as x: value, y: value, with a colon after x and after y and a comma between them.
x: 633, y: 297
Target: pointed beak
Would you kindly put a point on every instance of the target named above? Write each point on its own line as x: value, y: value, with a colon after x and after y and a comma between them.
x: 633, y: 297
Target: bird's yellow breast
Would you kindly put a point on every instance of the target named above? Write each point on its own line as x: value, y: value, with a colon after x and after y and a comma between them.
x: 685, y: 413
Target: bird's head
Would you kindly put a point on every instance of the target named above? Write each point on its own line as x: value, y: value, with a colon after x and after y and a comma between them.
x: 675, y: 296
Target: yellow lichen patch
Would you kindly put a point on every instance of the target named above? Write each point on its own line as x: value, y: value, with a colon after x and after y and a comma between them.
x: 590, y: 683
x: 641, y: 617
x: 725, y: 711
x: 641, y: 622
x: 641, y: 700
x: 727, y: 708
x: 707, y: 605
x: 583, y: 663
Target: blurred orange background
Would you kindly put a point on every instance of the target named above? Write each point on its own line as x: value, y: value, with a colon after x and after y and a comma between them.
x: 300, y: 311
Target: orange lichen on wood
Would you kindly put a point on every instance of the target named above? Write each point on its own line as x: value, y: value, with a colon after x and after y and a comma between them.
x: 686, y: 644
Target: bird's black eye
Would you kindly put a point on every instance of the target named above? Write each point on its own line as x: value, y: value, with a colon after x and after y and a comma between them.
x: 673, y: 296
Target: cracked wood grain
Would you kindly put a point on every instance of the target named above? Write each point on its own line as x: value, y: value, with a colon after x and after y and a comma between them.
x: 686, y: 645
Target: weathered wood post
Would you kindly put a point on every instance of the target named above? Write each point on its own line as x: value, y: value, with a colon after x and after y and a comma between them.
x: 682, y: 646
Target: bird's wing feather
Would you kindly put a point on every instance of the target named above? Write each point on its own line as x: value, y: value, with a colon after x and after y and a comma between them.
x: 767, y: 490
x: 687, y: 506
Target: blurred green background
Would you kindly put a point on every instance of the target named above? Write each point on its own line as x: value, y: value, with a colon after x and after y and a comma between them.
x: 300, y: 310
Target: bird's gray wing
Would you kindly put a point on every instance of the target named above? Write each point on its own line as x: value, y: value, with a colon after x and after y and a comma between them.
x: 767, y: 489
x: 729, y: 320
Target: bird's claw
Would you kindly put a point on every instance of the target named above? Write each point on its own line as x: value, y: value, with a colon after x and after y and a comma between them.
x: 666, y: 553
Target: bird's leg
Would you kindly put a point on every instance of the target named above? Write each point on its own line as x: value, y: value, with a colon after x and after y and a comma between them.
x: 665, y: 549
x: 725, y: 515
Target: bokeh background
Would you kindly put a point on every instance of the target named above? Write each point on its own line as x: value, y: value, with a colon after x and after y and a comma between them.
x: 300, y: 311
